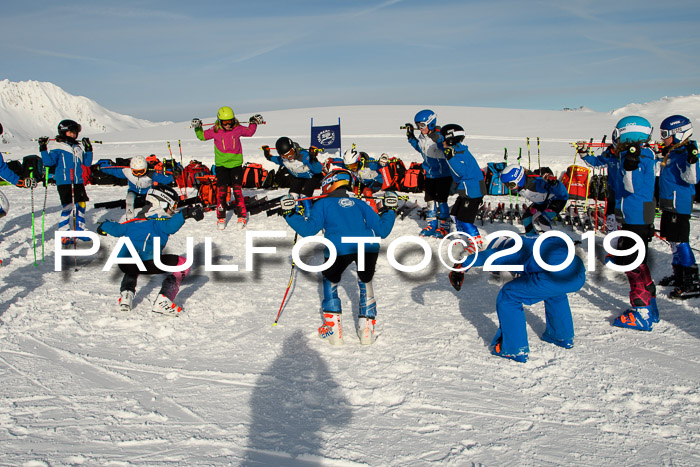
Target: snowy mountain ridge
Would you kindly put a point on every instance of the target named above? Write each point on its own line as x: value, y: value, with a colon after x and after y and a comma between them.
x: 29, y: 109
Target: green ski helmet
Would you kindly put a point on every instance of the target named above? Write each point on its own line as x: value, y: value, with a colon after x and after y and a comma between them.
x: 225, y: 113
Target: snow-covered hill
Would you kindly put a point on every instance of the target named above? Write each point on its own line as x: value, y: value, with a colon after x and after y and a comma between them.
x: 82, y: 384
x: 29, y: 109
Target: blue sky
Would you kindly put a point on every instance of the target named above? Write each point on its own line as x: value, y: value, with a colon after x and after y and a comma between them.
x: 174, y: 60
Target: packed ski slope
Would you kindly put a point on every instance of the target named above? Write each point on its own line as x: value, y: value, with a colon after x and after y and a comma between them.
x: 81, y: 383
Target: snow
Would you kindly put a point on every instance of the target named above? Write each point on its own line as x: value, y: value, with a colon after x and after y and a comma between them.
x: 82, y: 384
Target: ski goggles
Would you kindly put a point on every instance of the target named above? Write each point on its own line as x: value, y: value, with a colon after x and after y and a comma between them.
x: 226, y: 122
x: 681, y: 129
x: 512, y: 186
x: 289, y: 154
x: 421, y: 125
x: 139, y: 172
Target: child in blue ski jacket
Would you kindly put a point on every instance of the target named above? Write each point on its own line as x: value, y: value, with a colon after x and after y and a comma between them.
x: 140, y: 181
x: 340, y: 215
x: 547, y: 194
x: 302, y: 164
x: 438, y: 180
x: 636, y: 206
x: 161, y: 221
x: 535, y: 284
x: 69, y: 156
x: 608, y: 158
x: 680, y: 172
x: 471, y: 187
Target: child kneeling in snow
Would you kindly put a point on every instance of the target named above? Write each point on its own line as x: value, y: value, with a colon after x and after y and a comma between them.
x: 342, y: 216
x: 534, y: 285
x: 160, y: 221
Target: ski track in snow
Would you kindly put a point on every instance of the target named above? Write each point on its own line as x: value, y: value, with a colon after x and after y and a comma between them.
x: 83, y: 384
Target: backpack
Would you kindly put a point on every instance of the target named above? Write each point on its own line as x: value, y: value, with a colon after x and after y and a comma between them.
x: 597, y: 187
x: 393, y: 174
x: 192, y: 173
x: 207, y: 192
x: 253, y: 175
x: 269, y: 180
x: 414, y: 178
x: 33, y: 165
x: 283, y: 179
x: 576, y: 184
x: 494, y: 186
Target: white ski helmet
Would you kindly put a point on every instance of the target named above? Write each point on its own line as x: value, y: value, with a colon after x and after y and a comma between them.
x: 138, y: 166
x: 352, y: 158
x: 4, y: 205
x: 162, y: 198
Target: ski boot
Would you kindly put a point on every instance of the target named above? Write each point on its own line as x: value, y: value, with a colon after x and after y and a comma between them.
x: 221, y: 224
x: 242, y: 222
x: 643, y: 313
x: 431, y: 217
x: 564, y: 343
x: 689, y: 286
x: 125, y: 299
x: 639, y: 318
x: 498, y: 351
x: 331, y: 330
x: 675, y: 279
x: 165, y: 306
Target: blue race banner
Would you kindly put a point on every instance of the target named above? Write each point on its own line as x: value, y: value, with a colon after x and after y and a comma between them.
x: 325, y: 137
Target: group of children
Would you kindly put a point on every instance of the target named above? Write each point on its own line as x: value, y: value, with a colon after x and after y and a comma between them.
x: 447, y: 162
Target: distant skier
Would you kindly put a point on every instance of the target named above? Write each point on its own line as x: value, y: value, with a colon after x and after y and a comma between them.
x: 534, y: 285
x: 636, y: 206
x: 680, y: 172
x: 367, y: 173
x: 302, y: 164
x: 160, y: 221
x: 140, y: 181
x: 471, y: 187
x: 226, y: 133
x: 547, y: 194
x: 438, y: 180
x: 340, y: 215
x: 68, y: 156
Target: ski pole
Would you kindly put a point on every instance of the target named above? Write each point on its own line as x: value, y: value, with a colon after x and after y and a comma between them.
x: 179, y: 145
x: 528, y: 153
x: 539, y: 164
x: 43, y: 210
x: 210, y: 124
x: 31, y: 189
x: 291, y: 279
x: 54, y: 139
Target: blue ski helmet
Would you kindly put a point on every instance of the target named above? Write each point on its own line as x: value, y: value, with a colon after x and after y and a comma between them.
x: 425, y: 118
x: 632, y: 130
x: 677, y: 126
x: 513, y: 176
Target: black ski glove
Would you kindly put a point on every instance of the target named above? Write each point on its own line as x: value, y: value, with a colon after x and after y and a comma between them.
x: 288, y: 205
x: 196, y: 123
x: 43, y: 143
x: 435, y: 135
x: 266, y: 152
x: 193, y: 212
x: 456, y: 277
x: 551, y: 180
x: 449, y: 153
x: 313, y: 154
x: 409, y: 130
x: 692, y: 147
x: 87, y: 145
x: 631, y: 162
x: 100, y: 230
x: 391, y: 200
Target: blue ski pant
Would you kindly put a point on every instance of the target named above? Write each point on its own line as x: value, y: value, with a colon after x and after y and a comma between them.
x: 528, y: 289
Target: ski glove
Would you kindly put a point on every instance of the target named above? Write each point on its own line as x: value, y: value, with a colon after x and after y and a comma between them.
x: 266, y: 152
x: 288, y: 205
x: 193, y: 212
x: 632, y: 160
x: 87, y: 145
x: 196, y: 123
x: 456, y: 277
x: 551, y: 180
x: 257, y: 119
x: 391, y: 200
x: 409, y: 130
x: 692, y: 152
x: 435, y: 135
x: 383, y: 160
x: 313, y: 154
x: 449, y: 153
x: 43, y: 143
x: 100, y: 230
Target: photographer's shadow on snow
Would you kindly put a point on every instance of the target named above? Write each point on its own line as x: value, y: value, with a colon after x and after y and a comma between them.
x: 294, y: 403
